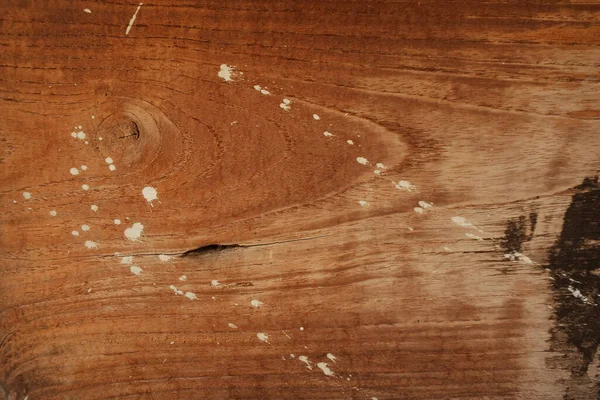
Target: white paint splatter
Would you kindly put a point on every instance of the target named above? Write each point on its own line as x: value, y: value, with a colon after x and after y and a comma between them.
x: 425, y: 204
x: 74, y: 171
x: 132, y: 20
x: 363, y: 203
x: 150, y: 194
x: 134, y: 232
x: 79, y: 134
x: 183, y: 278
x: 85, y: 187
x: 462, y: 221
x: 87, y: 10
x: 53, y: 213
x: 127, y: 260
x: 191, y: 296
x: 316, y: 117
x: 263, y: 337
x: 83, y: 167
x: 94, y: 208
x: 225, y: 72
x: 100, y: 138
x: 215, y: 283
x: 362, y: 160
x: 377, y: 172
x: 164, y: 257
x: 26, y: 195
x: 135, y: 270
x: 325, y: 369
x: 256, y: 303
x: 419, y: 210
x: 405, y: 185
x: 331, y: 357
x: 380, y: 165
x: 108, y: 160
x: 516, y: 256
x: 265, y: 92
x: 74, y: 233
x: 91, y: 244
x: 292, y: 356
x: 285, y: 104
x: 175, y: 290
x: 471, y: 236
x: 328, y: 134
x: 301, y: 328
x: 85, y: 228
x: 112, y: 167
x: 232, y: 326
x: 117, y: 221
x: 304, y: 359
x: 577, y: 293
x: 257, y: 88
x: 350, y: 142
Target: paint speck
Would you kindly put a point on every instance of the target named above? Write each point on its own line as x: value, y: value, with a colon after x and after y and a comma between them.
x: 471, y: 236
x: 90, y: 290
x: 362, y: 160
x: 328, y: 134
x: 93, y: 116
x: 215, y: 283
x: 405, y: 185
x: 425, y: 204
x: 380, y: 165
x: 190, y: 295
x: 265, y: 92
x: 108, y: 160
x: 316, y: 117
x: 150, y: 194
x: 516, y: 256
x: 127, y: 260
x: 419, y: 210
x: 175, y: 290
x: 233, y: 123
x: 225, y: 72
x: 134, y: 232
x: 78, y: 134
x: 232, y: 326
x: 74, y: 171
x: 117, y: 221
x: 331, y: 357
x: 377, y: 172
x: 292, y: 356
x: 53, y: 213
x: 132, y: 20
x: 263, y: 337
x: 112, y: 167
x: 447, y: 249
x: 87, y: 10
x: 83, y: 167
x: 350, y: 142
x: 287, y: 101
x: 363, y: 203
x: 164, y: 257
x: 27, y: 195
x: 135, y: 270
x: 100, y: 138
x: 285, y: 104
x: 325, y: 369
x: 183, y: 278
x: 85, y: 228
x: 85, y: 187
x: 256, y: 303
x: 91, y: 244
x: 74, y: 233
x: 304, y: 359
x: 257, y: 87
x: 577, y: 293
x: 301, y: 328
x: 94, y: 208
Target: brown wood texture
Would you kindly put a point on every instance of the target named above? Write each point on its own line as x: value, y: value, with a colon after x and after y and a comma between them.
x: 355, y: 199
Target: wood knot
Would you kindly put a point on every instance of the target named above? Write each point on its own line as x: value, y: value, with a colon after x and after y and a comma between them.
x: 128, y: 129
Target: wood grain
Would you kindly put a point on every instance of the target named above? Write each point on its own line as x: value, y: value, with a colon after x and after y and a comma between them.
x: 467, y: 266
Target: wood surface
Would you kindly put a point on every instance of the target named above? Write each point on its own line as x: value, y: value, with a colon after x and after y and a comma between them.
x: 466, y: 266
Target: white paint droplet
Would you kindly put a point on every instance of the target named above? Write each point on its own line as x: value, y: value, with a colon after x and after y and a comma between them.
x: 292, y: 356
x: 362, y: 160
x: 127, y: 260
x: 257, y: 87
x: 232, y: 326
x: 53, y: 213
x: 83, y: 167
x: 256, y: 303
x: 328, y: 134
x: 74, y: 171
x: 85, y: 187
x: 285, y: 107
x: 331, y: 357
x: 363, y: 203
x: 263, y: 337
x: 175, y: 290
x: 419, y: 210
x: 74, y: 233
x: 215, y: 283
x: 27, y: 195
x: 301, y: 328
x: 94, y: 208
x: 405, y: 185
x: 380, y: 166
x: 85, y: 228
x: 134, y: 232
x: 265, y: 92
x: 87, y: 10
x: 323, y: 366
x: 316, y: 117
x: 425, y: 204
x: 135, y: 270
x: 112, y: 167
x: 350, y: 142
x: 117, y: 221
x: 91, y: 244
x: 164, y: 257
x: 183, y: 278
x: 78, y: 134
x: 287, y: 101
x: 191, y: 296
x: 100, y: 138
x: 226, y: 72
x: 150, y: 194
x: 132, y: 20
x: 304, y: 359
x: 108, y: 160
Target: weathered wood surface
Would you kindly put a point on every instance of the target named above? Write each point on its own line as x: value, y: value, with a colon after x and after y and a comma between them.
x: 490, y: 110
